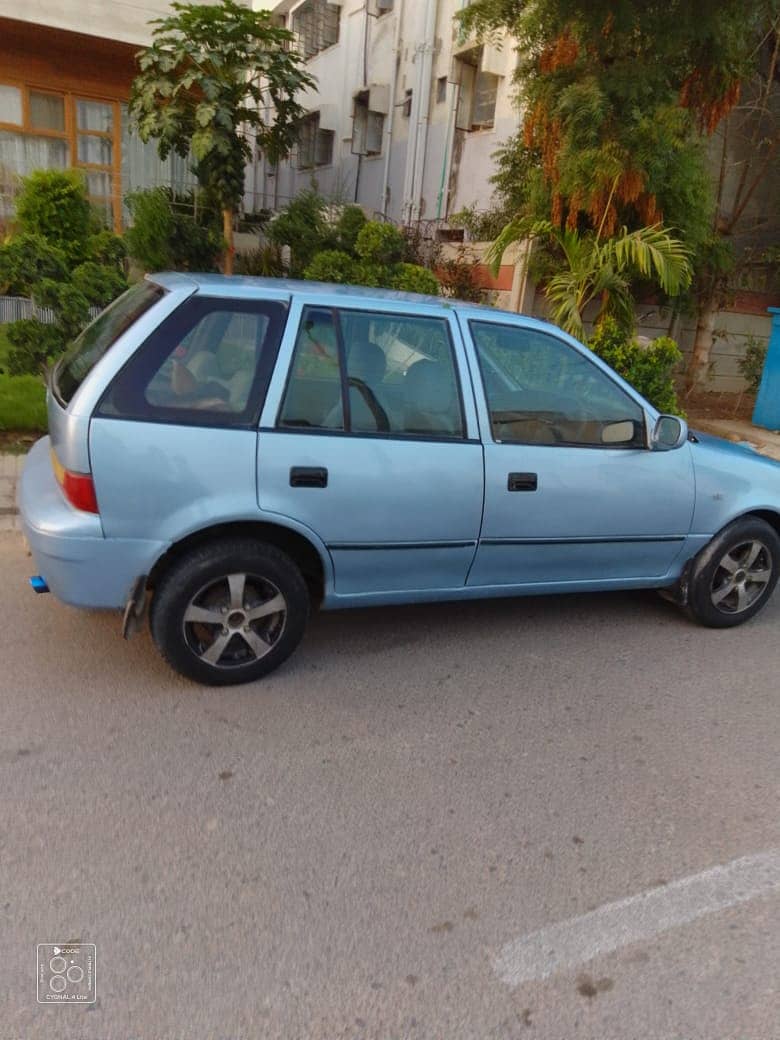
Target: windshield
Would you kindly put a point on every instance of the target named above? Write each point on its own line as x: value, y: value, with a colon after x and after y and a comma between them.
x: 85, y: 351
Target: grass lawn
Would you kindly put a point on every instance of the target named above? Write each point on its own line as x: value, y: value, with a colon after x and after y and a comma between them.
x: 22, y: 403
x: 4, y: 346
x: 22, y: 400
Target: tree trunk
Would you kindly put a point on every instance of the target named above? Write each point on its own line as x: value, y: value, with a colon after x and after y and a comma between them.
x: 227, y: 232
x: 699, y: 366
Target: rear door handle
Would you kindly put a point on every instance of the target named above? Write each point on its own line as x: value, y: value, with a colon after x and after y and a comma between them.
x: 308, y: 476
x: 522, y: 482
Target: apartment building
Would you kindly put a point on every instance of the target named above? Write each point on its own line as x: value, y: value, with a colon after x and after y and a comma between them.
x: 65, y: 72
x: 407, y: 111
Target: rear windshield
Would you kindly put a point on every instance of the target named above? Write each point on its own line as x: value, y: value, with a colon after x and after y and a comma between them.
x: 85, y: 351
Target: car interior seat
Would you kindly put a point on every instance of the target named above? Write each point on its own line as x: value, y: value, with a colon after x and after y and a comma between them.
x: 431, y: 399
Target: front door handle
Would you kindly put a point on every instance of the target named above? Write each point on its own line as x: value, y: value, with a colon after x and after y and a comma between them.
x: 308, y: 476
x: 522, y: 482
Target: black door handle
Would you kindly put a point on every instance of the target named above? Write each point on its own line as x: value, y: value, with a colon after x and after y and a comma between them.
x: 522, y: 482
x: 308, y: 476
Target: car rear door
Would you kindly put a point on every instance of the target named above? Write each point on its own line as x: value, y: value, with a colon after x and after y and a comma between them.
x: 566, y: 500
x: 173, y: 439
x: 369, y: 439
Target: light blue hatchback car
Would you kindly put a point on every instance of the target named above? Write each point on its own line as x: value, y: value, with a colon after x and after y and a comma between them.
x: 235, y: 451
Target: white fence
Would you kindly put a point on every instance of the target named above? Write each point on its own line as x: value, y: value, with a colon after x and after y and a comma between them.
x: 14, y: 308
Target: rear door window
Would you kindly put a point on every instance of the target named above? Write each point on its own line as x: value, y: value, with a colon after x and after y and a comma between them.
x: 208, y: 364
x: 85, y: 351
x: 364, y: 372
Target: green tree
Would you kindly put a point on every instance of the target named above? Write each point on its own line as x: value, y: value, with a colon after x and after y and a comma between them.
x: 202, y: 87
x: 596, y: 268
x: 619, y: 100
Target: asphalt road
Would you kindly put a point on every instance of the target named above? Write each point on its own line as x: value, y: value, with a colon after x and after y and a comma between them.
x: 529, y: 819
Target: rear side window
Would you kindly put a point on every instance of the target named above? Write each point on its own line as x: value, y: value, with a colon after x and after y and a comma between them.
x: 208, y: 364
x: 85, y: 351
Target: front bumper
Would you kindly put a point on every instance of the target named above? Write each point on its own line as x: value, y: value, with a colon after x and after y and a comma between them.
x: 80, y: 565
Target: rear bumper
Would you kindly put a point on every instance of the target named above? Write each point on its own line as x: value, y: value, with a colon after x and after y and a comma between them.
x: 80, y: 566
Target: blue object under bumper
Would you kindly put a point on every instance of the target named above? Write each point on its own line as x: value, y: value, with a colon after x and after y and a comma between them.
x: 80, y: 566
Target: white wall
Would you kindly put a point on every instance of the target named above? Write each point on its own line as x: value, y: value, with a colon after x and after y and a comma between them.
x: 349, y: 66
x: 124, y: 20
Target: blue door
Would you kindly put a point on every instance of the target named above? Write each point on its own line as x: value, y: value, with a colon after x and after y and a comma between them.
x: 571, y: 492
x: 369, y: 440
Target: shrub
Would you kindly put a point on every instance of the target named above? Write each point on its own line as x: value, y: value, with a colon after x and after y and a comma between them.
x: 263, y: 262
x: 22, y: 403
x: 348, y: 227
x: 108, y: 248
x: 304, y: 229
x: 27, y: 258
x: 163, y: 237
x: 332, y: 265
x: 482, y: 225
x: 379, y: 243
x: 54, y: 205
x: 98, y: 283
x: 457, y: 277
x: 63, y: 259
x: 413, y: 278
x: 648, y: 369
x: 752, y: 364
x: 32, y: 345
x: 375, y: 276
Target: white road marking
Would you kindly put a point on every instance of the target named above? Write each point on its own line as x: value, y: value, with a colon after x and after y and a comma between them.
x: 567, y: 944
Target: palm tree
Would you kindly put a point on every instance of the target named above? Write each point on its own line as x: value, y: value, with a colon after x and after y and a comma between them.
x: 596, y: 268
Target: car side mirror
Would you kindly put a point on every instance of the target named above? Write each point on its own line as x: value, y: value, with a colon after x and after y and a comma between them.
x: 622, y: 432
x: 669, y: 432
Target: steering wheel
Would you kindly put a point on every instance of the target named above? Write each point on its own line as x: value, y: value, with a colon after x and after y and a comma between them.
x: 377, y: 411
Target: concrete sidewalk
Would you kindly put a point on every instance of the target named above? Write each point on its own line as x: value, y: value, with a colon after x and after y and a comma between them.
x: 764, y: 441
x: 10, y: 468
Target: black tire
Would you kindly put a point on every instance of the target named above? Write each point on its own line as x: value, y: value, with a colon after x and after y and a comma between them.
x: 245, y: 648
x: 722, y: 595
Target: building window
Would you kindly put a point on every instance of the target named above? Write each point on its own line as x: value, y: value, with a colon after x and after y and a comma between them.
x: 10, y: 105
x: 317, y: 25
x: 381, y: 7
x: 315, y: 146
x: 441, y: 90
x: 367, y: 127
x: 406, y: 108
x: 43, y: 129
x: 478, y: 93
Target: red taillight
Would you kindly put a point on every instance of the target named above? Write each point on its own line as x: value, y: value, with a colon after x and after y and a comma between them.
x: 78, y: 488
x: 80, y: 491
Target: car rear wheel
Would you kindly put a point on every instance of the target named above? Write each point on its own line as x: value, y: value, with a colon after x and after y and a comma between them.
x: 734, y: 577
x: 229, y: 612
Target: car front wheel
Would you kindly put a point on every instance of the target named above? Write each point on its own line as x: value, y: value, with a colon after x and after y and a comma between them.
x: 229, y: 612
x: 734, y: 577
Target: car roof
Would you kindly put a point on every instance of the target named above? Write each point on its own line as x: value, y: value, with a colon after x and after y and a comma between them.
x: 245, y: 286
x: 227, y: 285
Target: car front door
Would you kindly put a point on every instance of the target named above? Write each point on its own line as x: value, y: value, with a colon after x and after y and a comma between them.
x: 369, y: 438
x: 572, y: 494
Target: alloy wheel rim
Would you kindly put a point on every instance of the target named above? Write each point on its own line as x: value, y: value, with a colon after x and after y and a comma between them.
x: 235, y: 620
x: 741, y: 577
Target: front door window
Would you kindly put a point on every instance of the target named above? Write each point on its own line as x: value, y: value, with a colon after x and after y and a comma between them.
x: 540, y: 390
